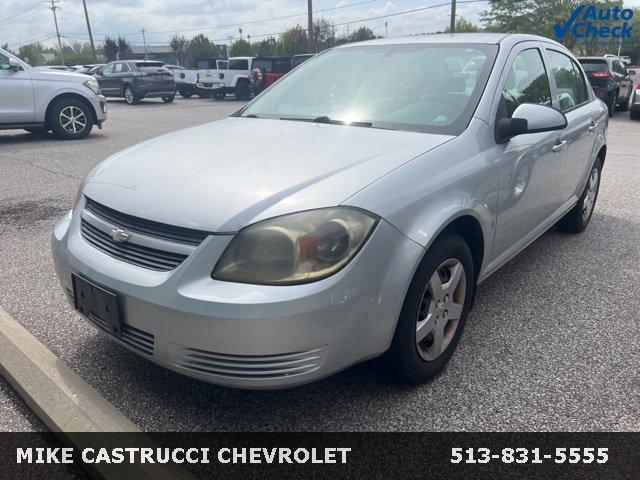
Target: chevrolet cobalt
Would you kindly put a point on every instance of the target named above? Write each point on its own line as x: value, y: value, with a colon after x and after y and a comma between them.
x: 347, y: 212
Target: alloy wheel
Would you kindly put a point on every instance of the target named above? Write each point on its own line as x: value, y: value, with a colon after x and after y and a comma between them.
x: 73, y: 119
x: 128, y: 96
x: 440, y: 309
x: 592, y: 190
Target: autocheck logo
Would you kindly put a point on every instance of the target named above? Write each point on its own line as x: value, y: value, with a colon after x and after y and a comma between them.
x: 586, y: 22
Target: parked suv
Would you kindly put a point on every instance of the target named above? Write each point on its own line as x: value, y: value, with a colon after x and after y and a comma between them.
x: 67, y: 103
x: 610, y: 79
x: 134, y: 80
x: 268, y: 70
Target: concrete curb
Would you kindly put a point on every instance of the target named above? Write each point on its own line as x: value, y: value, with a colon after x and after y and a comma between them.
x: 67, y: 404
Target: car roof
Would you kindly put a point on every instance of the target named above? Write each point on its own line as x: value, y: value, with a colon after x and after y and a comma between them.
x: 506, y: 39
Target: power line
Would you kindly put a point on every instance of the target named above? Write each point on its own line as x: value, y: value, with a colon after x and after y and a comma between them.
x: 252, y: 22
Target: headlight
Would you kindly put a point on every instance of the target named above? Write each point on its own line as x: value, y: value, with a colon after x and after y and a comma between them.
x: 298, y: 248
x: 93, y: 86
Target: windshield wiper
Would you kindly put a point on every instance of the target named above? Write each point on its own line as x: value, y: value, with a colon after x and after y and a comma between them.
x: 328, y: 120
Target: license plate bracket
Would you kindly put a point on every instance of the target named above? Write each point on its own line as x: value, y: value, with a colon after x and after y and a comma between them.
x: 94, y: 301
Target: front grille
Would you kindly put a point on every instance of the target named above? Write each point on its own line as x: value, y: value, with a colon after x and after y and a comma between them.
x: 139, y: 340
x: 139, y: 255
x: 163, y: 231
x: 251, y: 366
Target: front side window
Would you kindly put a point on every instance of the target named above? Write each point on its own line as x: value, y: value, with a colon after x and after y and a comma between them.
x: 4, y: 62
x: 118, y: 68
x: 569, y: 80
x: 417, y: 87
x: 108, y: 69
x: 527, y: 82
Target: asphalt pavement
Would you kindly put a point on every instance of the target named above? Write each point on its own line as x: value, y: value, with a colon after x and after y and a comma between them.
x: 552, y: 343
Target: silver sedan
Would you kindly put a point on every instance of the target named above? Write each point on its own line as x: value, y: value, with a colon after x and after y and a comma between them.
x: 347, y: 212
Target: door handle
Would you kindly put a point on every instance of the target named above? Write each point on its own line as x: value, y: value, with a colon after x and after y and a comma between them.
x: 593, y: 126
x: 559, y: 146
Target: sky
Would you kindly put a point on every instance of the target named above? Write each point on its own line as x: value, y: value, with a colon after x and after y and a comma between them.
x: 25, y: 21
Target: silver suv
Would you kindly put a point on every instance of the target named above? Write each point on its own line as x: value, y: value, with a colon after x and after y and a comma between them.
x: 39, y: 100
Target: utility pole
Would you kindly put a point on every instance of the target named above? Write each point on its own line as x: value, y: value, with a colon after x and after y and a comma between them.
x: 53, y: 8
x: 310, y: 15
x: 386, y: 29
x: 452, y: 28
x: 86, y: 16
x: 144, y: 40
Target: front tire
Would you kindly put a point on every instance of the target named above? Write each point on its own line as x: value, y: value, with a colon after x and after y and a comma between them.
x: 577, y: 219
x: 70, y: 119
x: 434, y: 312
x: 168, y: 98
x: 243, y: 92
x: 130, y: 96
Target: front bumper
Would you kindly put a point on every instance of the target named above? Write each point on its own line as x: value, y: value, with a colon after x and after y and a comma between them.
x: 99, y: 103
x: 249, y: 336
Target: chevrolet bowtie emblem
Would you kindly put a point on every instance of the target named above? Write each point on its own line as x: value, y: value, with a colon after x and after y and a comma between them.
x: 120, y: 235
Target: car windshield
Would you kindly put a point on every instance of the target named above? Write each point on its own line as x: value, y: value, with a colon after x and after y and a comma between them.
x: 416, y: 87
x: 594, y: 65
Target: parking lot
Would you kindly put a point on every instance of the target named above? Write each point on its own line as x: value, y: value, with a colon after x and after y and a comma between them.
x: 552, y: 343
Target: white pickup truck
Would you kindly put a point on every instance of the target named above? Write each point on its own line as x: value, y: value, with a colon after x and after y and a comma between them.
x: 215, y: 78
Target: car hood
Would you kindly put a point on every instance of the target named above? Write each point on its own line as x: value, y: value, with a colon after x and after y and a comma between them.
x: 224, y: 175
x: 59, y: 75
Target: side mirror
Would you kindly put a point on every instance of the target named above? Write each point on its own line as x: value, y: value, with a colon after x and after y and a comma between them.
x: 529, y: 118
x: 631, y: 72
x: 14, y: 64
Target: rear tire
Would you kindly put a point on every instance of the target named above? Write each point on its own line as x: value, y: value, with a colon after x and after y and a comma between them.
x: 130, y: 96
x: 577, y: 219
x: 611, y: 105
x: 168, y: 98
x: 186, y: 94
x: 434, y: 312
x: 70, y: 119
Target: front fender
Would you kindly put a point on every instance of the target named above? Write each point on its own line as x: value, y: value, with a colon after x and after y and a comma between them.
x: 44, y: 96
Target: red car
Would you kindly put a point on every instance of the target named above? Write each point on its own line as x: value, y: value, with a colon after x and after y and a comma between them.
x: 268, y: 70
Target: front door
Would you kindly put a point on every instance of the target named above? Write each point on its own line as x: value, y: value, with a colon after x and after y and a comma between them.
x: 16, y: 94
x: 531, y: 165
x: 107, y: 81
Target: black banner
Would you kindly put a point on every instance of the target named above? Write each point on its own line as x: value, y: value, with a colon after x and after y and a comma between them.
x: 322, y: 455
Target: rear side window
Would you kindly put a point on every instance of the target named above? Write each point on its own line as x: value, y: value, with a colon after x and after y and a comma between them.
x: 527, y: 82
x: 594, y: 65
x: 569, y: 80
x: 238, y: 65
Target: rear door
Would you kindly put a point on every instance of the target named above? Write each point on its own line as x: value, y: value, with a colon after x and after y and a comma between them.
x: 16, y: 94
x: 574, y: 100
x: 625, y: 81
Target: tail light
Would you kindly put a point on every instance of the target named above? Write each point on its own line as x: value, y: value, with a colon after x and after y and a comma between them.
x: 601, y: 75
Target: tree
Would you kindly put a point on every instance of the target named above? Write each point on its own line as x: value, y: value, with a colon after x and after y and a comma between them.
x: 240, y: 48
x: 264, y: 48
x: 200, y: 46
x: 362, y: 34
x: 110, y: 49
x: 124, y: 49
x: 463, y: 26
x: 292, y: 42
x: 32, y: 54
x: 324, y: 34
x: 179, y: 45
